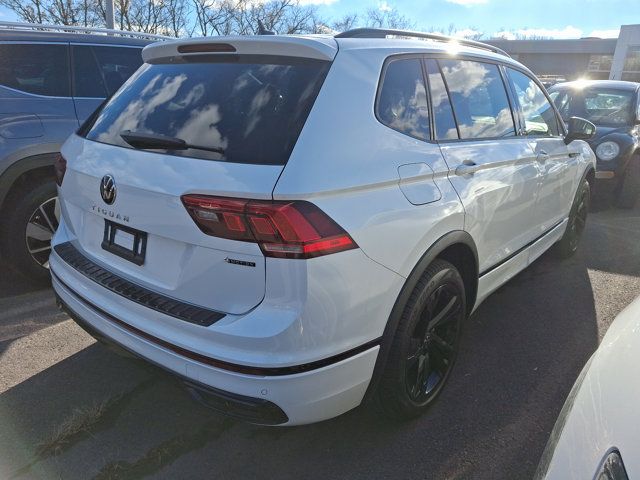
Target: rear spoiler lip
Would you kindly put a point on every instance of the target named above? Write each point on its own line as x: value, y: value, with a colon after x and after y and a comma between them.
x: 316, y: 47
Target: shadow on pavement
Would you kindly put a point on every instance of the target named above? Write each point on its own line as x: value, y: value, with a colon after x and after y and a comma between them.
x: 13, y: 283
x: 25, y: 307
x: 98, y: 415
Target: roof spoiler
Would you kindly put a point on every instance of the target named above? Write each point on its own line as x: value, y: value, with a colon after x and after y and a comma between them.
x: 319, y: 48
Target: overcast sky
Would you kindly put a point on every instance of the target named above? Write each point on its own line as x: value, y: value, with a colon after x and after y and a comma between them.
x: 551, y: 18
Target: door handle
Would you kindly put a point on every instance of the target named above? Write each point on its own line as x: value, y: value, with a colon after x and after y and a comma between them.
x: 468, y: 167
x: 542, y: 156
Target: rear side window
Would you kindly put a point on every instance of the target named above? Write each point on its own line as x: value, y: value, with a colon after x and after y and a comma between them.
x: 539, y: 117
x: 445, y: 124
x: 243, y: 109
x: 117, y: 64
x: 40, y: 69
x: 479, y: 98
x: 100, y: 71
x: 87, y: 81
x: 402, y: 100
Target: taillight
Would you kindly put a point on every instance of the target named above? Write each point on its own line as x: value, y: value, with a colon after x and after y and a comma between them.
x: 295, y: 229
x: 60, y: 168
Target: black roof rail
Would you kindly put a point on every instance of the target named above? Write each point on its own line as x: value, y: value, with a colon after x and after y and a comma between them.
x: 385, y: 32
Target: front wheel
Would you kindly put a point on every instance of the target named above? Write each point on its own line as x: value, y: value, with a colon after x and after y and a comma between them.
x: 568, y: 245
x: 425, y: 344
x: 31, y: 220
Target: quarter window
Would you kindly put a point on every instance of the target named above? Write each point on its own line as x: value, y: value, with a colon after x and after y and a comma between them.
x: 479, y: 99
x: 539, y: 117
x: 402, y: 102
x: 39, y: 69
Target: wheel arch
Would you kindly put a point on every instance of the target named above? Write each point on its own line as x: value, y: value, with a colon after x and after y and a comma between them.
x: 456, y: 247
x: 590, y: 175
x: 22, y: 170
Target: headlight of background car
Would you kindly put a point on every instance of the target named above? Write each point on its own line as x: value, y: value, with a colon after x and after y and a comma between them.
x: 607, y: 150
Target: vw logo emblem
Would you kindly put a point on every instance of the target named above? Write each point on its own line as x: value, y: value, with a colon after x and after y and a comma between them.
x: 108, y: 189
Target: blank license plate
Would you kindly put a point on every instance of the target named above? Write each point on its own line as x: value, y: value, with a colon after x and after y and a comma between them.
x: 125, y: 242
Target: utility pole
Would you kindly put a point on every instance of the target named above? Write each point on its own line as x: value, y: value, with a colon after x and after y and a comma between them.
x: 110, y: 17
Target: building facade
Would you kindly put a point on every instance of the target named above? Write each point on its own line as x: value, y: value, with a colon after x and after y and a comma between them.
x: 589, y: 58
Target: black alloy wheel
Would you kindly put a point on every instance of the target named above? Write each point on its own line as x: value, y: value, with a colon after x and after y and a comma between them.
x: 426, y: 342
x: 432, y: 346
x: 568, y: 245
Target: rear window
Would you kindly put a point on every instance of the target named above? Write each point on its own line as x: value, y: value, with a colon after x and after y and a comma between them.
x: 249, y: 109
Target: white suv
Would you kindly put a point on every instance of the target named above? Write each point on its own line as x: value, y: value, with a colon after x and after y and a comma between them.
x: 292, y: 224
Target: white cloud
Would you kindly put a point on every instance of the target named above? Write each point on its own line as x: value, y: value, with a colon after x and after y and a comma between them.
x: 384, y: 7
x: 504, y: 35
x: 613, y: 33
x: 557, y: 33
x: 467, y: 33
x: 468, y: 3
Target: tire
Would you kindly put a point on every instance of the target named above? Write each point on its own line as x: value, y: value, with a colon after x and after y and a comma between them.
x: 31, y: 219
x: 630, y: 186
x: 568, y: 244
x: 405, y: 391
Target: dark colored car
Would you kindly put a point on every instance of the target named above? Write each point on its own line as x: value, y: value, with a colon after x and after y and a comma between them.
x: 614, y: 107
x: 50, y: 82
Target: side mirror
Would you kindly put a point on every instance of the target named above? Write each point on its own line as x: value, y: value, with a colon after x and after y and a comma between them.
x: 579, y: 129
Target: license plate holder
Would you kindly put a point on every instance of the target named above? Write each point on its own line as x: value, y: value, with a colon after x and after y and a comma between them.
x: 125, y: 242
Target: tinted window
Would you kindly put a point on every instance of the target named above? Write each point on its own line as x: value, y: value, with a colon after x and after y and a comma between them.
x: 252, y: 110
x: 100, y: 71
x: 402, y: 102
x: 39, y: 69
x: 117, y: 64
x: 442, y: 112
x: 479, y: 99
x: 538, y: 114
x: 87, y: 81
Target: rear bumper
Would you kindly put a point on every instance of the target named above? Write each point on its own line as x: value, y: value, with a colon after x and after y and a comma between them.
x: 254, y: 410
x: 310, y: 396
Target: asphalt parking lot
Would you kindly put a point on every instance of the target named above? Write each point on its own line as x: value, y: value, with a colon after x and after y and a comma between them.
x: 72, y: 409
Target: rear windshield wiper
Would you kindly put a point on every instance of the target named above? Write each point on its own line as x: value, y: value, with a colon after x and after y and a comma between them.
x: 161, y: 142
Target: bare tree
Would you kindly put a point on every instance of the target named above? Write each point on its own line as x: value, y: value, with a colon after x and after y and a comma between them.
x: 390, y: 18
x: 177, y: 19
x: 201, y: 17
x: 31, y: 11
x: 344, y: 23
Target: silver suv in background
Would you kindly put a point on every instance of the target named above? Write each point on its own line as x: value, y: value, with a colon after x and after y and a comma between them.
x: 50, y: 82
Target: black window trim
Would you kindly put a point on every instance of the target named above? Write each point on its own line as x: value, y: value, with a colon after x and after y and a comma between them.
x: 387, y: 61
x: 516, y: 114
x: 560, y: 123
x: 27, y: 42
x: 446, y: 87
